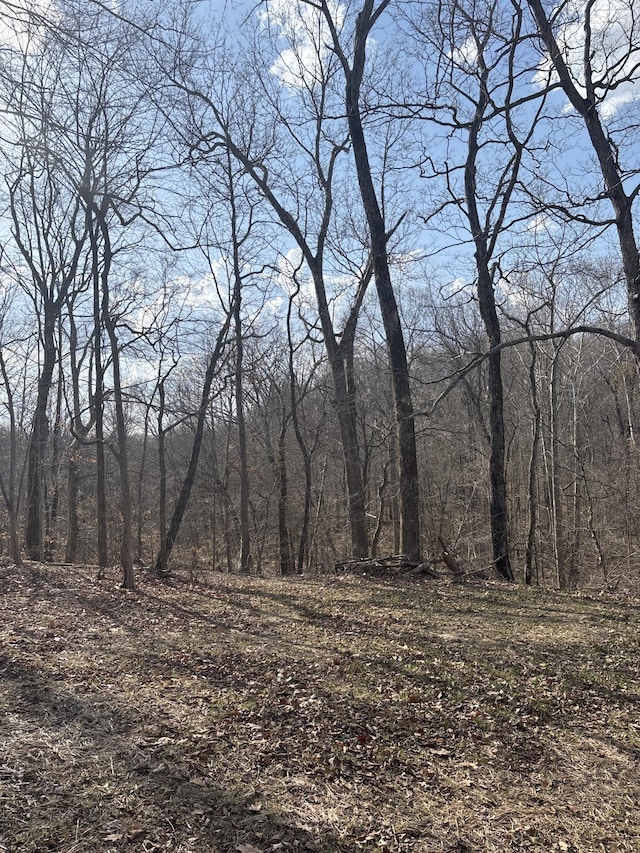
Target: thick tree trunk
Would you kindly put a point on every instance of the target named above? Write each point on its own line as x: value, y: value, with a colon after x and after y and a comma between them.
x: 498, y: 498
x: 487, y: 303
x: 303, y: 541
x: 286, y: 563
x: 555, y: 489
x: 533, y: 473
x: 161, y: 565
x: 73, y: 495
x: 98, y: 415
x: 126, y: 505
x: 245, y: 561
x: 9, y: 489
x: 497, y: 479
x: 101, y: 480
x: 351, y: 453
x: 140, y: 489
x: 79, y: 431
x: 396, y: 349
x: 52, y: 498
x: 38, y: 442
x: 498, y: 512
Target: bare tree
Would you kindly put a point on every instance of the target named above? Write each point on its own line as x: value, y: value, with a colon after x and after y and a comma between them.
x: 14, y: 350
x: 303, y: 204
x: 352, y: 59
x: 476, y: 101
x: 50, y: 232
x: 590, y: 75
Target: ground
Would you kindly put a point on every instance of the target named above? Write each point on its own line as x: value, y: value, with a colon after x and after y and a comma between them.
x: 328, y: 715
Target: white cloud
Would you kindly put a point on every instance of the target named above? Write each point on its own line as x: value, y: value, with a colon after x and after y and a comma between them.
x: 512, y: 294
x: 458, y: 285
x: 302, y: 26
x: 288, y: 266
x: 542, y: 223
x: 467, y: 55
x: 203, y: 293
x: 22, y: 23
x: 614, y: 54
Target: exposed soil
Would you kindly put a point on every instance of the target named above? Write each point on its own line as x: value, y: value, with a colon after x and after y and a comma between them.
x: 325, y: 715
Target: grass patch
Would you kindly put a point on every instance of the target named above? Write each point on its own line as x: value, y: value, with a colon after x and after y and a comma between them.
x: 329, y: 715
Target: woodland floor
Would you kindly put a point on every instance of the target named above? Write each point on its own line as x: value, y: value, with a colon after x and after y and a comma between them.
x: 326, y: 715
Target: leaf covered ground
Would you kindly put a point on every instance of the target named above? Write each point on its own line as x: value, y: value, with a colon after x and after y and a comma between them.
x: 325, y: 715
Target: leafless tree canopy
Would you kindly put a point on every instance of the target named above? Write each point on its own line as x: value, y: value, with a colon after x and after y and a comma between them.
x: 314, y: 282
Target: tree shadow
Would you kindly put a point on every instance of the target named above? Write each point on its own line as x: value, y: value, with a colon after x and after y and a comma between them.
x: 91, y: 775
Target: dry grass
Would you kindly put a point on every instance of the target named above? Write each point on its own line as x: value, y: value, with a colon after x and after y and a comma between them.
x: 329, y: 715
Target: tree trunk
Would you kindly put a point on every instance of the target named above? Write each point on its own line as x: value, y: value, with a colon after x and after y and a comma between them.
x: 497, y: 480
x: 126, y: 506
x: 98, y: 415
x: 245, y: 532
x: 353, y: 466
x: 345, y: 405
x: 498, y: 487
x: 555, y: 487
x: 190, y: 476
x: 286, y: 563
x: 73, y: 495
x: 52, y: 500
x: 38, y: 442
x: 161, y: 565
x: 396, y: 349
x: 303, y: 541
x: 9, y: 489
x: 533, y: 473
x: 487, y: 303
x: 606, y: 152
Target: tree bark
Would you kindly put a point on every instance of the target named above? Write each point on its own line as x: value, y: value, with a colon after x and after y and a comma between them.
x: 161, y: 564
x: 303, y: 541
x: 606, y: 152
x: 126, y: 506
x: 190, y: 476
x: 39, y: 438
x: 246, y: 559
x: 98, y: 414
x: 396, y: 349
x: 336, y: 350
x: 487, y: 303
x: 286, y: 563
x: 532, y: 491
x: 9, y: 489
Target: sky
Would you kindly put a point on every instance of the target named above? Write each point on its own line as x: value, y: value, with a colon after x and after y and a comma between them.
x: 299, y: 25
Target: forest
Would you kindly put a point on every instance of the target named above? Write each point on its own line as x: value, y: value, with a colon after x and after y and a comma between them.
x: 290, y: 284
x: 319, y: 475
